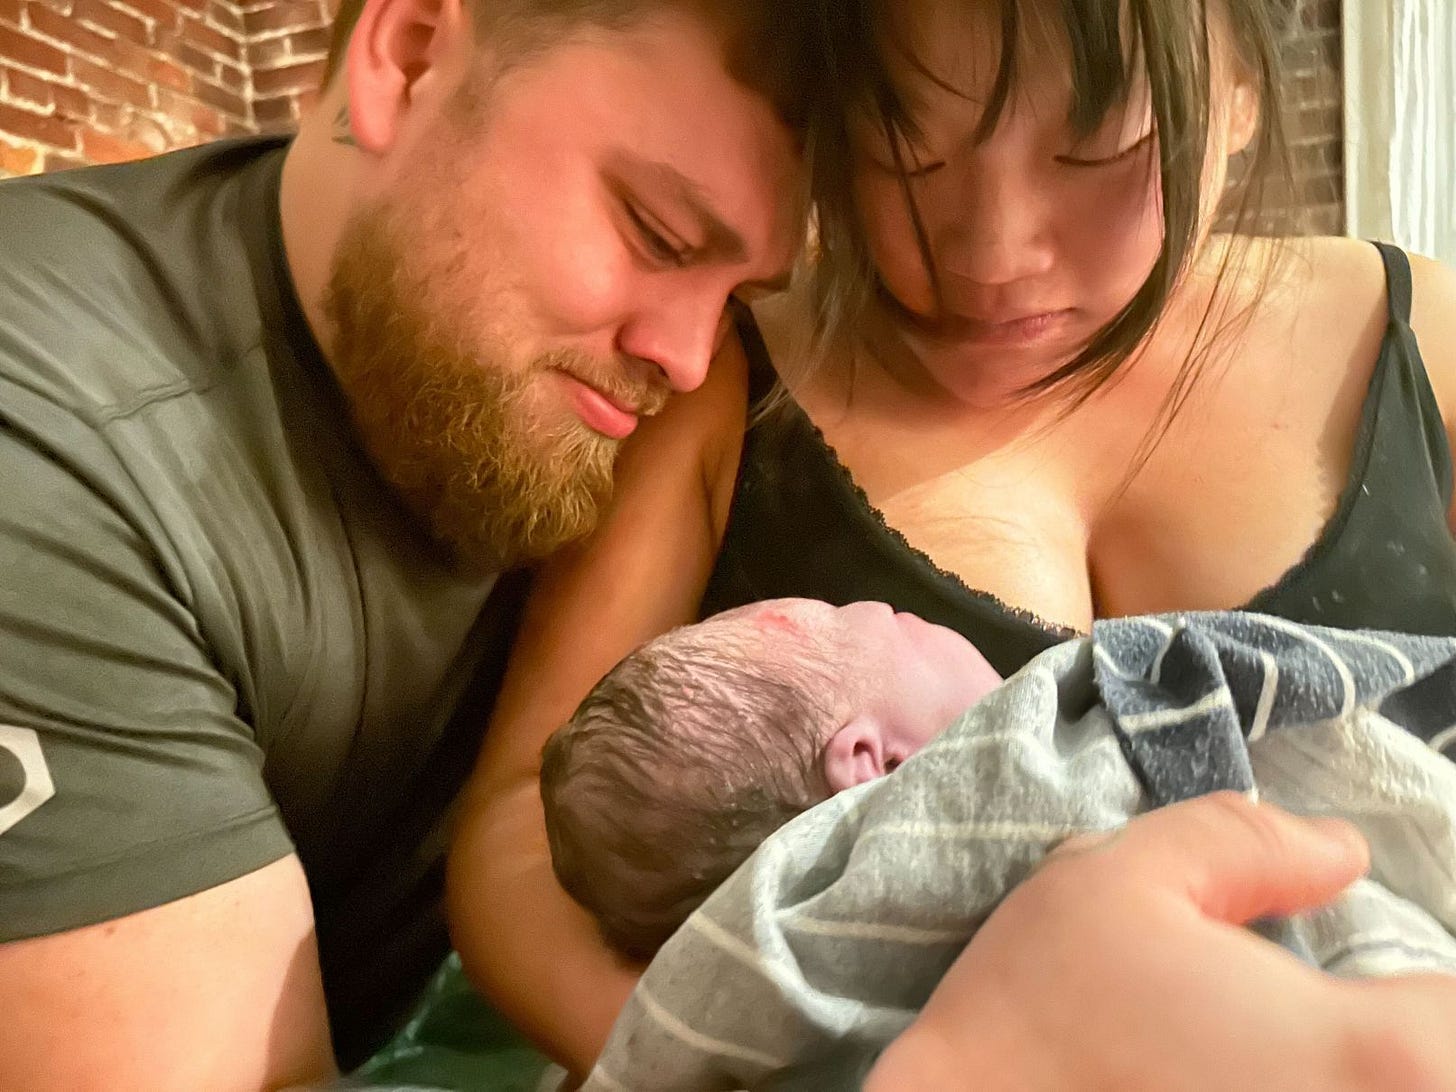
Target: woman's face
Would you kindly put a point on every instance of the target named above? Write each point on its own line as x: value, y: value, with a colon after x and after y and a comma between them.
x: 1038, y: 238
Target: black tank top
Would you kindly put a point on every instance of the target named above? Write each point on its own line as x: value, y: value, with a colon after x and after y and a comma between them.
x: 799, y: 525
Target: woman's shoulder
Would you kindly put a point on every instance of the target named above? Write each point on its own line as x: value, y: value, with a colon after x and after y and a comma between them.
x: 1433, y: 319
x: 1352, y: 269
x: 1346, y: 279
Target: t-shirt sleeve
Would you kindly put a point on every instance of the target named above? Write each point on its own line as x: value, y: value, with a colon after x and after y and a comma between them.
x: 127, y: 777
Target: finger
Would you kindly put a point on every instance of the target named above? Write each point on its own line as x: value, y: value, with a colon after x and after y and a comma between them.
x: 1238, y: 860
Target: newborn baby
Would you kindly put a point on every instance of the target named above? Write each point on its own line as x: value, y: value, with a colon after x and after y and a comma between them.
x: 822, y: 942
x: 702, y: 743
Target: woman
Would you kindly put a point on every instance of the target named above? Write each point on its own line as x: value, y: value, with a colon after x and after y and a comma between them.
x: 1028, y: 385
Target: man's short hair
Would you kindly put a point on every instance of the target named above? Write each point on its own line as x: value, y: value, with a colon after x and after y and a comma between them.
x: 770, y: 46
x: 673, y: 770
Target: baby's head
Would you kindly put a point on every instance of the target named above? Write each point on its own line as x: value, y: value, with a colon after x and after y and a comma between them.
x: 703, y: 742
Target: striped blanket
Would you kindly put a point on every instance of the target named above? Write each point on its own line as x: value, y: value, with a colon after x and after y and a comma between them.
x: 820, y: 949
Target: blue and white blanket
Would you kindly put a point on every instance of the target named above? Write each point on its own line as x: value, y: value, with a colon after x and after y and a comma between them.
x: 821, y: 948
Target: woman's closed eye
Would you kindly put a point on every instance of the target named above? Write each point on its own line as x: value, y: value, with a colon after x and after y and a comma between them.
x: 1107, y: 160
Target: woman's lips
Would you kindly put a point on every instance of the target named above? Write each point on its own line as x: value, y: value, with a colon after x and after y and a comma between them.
x: 1024, y: 329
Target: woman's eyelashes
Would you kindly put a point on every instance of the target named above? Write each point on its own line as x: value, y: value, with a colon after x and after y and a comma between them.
x: 915, y: 166
x: 1107, y: 160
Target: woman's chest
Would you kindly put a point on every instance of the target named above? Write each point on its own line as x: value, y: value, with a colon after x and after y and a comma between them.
x: 1113, y: 514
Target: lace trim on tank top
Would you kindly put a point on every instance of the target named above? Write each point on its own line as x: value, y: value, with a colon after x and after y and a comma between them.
x: 847, y: 480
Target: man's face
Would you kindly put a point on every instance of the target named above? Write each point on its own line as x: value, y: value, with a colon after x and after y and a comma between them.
x: 550, y: 256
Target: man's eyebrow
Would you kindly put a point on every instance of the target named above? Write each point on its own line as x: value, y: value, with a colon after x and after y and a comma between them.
x: 719, y: 240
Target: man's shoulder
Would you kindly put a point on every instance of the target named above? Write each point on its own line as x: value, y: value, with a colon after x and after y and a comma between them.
x: 127, y: 281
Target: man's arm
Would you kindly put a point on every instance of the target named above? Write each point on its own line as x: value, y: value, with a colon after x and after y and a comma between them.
x: 155, y: 932
x: 521, y: 938
x: 218, y: 991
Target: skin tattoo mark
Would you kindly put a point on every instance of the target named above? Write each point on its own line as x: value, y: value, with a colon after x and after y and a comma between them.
x: 342, y: 133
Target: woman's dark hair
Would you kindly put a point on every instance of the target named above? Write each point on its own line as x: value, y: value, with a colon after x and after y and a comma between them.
x: 1113, y: 46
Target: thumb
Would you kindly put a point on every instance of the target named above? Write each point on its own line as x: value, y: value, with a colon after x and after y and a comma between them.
x: 1237, y: 860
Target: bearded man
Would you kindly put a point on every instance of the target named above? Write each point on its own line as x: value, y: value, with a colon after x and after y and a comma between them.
x: 274, y: 415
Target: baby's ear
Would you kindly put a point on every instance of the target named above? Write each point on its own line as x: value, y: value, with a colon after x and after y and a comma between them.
x: 855, y: 754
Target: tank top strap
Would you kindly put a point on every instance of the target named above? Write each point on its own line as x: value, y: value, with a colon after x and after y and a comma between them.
x: 761, y: 373
x: 1397, y: 282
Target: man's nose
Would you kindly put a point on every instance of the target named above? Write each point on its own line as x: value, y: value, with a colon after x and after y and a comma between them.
x: 678, y: 336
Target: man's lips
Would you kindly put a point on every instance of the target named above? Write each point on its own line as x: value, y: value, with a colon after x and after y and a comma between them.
x: 610, y: 413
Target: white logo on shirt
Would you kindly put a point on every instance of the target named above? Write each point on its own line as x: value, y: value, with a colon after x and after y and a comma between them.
x: 37, y: 787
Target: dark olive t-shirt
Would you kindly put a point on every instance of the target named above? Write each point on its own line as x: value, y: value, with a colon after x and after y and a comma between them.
x: 221, y: 638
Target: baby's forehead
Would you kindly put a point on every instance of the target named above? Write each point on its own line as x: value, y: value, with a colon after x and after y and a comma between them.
x: 808, y: 643
x: 776, y: 620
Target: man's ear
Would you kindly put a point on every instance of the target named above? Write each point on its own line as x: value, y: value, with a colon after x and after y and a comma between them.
x: 395, y: 54
x: 855, y: 754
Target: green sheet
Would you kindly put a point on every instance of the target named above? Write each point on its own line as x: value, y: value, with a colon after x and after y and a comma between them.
x: 455, y: 1040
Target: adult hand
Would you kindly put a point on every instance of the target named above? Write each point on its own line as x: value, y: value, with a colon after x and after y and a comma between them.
x: 1121, y: 963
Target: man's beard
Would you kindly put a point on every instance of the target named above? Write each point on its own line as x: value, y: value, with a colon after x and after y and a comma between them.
x: 452, y: 425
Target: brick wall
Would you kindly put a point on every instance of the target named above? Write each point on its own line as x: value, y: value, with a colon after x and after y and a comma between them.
x: 95, y: 81
x: 102, y: 80
x: 1314, y: 68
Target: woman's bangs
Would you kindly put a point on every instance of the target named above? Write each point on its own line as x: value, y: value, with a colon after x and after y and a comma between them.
x: 1106, y: 49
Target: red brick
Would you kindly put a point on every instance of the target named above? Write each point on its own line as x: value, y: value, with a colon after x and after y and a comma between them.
x: 274, y: 112
x: 63, y: 29
x: 224, y: 100
x: 231, y: 76
x: 285, y: 15
x: 60, y: 7
x: 161, y: 12
x: 194, y: 59
x: 313, y: 42
x: 297, y: 77
x: 109, y: 115
x: 167, y: 73
x: 207, y: 121
x: 71, y: 102
x: 283, y: 49
x: 267, y: 52
x: 103, y: 15
x: 18, y: 47
x: 131, y: 59
x: 20, y: 85
x: 110, y: 85
x: 10, y: 12
x: 37, y: 127
x: 99, y: 147
x: 211, y: 39
x: 226, y: 17
x: 15, y: 160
